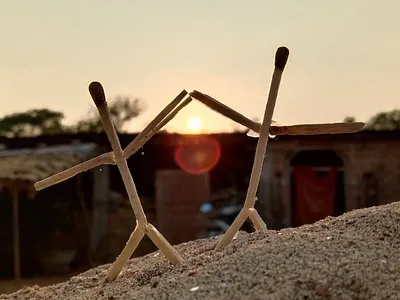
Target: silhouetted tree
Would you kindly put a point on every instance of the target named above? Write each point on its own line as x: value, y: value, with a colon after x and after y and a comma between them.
x: 44, y: 121
x: 385, y: 121
x: 349, y: 119
x: 32, y: 122
x: 123, y: 109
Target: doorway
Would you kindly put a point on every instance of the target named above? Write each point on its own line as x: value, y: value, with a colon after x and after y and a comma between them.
x: 317, y: 186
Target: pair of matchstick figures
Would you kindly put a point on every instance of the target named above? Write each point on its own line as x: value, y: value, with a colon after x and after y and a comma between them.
x: 119, y: 157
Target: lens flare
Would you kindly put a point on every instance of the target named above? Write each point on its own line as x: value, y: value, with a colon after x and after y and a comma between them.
x: 197, y: 155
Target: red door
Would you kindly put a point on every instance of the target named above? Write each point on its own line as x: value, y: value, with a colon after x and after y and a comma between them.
x: 314, y: 195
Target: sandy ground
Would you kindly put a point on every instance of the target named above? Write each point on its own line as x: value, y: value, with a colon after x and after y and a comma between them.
x: 10, y: 286
x: 354, y: 256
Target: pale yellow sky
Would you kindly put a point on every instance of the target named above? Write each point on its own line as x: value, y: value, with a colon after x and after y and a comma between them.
x: 344, y: 56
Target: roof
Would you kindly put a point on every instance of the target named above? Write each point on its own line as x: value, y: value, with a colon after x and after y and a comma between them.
x: 31, y: 165
x: 163, y: 138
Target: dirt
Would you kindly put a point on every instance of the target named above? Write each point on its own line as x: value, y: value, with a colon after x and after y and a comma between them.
x: 354, y: 256
x: 8, y: 286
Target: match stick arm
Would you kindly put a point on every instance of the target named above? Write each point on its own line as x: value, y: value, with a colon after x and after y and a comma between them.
x: 313, y: 129
x: 131, y: 148
x: 225, y: 110
x: 106, y: 158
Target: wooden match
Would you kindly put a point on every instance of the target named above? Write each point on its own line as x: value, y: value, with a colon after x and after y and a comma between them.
x: 225, y: 110
x: 257, y: 220
x: 141, y: 139
x: 130, y: 247
x: 314, y: 129
x: 97, y: 92
x: 162, y: 244
x: 142, y: 226
x: 106, y: 158
x: 128, y: 151
x: 281, y: 58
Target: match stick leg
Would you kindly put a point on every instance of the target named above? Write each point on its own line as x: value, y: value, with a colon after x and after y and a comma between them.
x: 233, y: 229
x: 257, y: 220
x: 130, y: 247
x: 162, y: 244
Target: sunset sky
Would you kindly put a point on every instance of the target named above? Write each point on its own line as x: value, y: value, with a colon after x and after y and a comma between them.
x: 344, y: 56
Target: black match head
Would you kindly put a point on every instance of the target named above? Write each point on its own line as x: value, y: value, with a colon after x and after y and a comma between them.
x: 97, y: 92
x: 281, y: 58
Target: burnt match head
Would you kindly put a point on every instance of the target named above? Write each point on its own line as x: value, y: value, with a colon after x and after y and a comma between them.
x: 281, y: 57
x: 97, y: 92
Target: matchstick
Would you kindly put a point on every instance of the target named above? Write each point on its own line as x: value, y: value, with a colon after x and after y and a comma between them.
x: 172, y: 114
x: 108, y: 158
x: 128, y: 151
x: 162, y: 243
x: 234, y: 228
x: 281, y: 58
x: 142, y: 139
x: 97, y: 92
x: 225, y: 110
x: 313, y: 129
x: 257, y: 220
x: 131, y: 245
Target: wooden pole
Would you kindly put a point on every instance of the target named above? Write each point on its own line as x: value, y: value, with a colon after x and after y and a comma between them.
x: 17, y: 267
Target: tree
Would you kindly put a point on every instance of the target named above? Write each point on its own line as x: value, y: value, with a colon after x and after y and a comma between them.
x: 36, y: 122
x: 123, y: 109
x: 31, y: 123
x: 385, y: 121
x: 349, y: 119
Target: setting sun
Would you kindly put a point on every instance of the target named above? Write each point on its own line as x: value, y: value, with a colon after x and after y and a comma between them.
x: 194, y: 124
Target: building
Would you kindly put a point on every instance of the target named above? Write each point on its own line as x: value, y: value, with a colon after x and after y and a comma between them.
x: 304, y: 179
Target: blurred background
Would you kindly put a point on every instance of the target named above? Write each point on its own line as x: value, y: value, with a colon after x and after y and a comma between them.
x: 192, y: 176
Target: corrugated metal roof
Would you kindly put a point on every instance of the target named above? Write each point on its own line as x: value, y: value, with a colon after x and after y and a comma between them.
x: 36, y: 164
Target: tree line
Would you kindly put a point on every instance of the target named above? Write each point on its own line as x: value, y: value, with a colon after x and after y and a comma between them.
x: 36, y: 122
x: 123, y: 109
x: 388, y: 121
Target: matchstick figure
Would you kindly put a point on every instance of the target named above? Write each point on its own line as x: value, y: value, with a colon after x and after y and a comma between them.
x: 142, y: 226
x: 118, y: 156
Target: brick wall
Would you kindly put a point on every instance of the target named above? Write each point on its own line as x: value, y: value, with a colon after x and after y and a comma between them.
x: 368, y: 163
x: 178, y: 199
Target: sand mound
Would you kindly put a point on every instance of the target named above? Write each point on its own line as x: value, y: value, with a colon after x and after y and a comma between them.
x: 354, y: 256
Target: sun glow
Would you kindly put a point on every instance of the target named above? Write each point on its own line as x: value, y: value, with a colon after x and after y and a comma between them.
x: 194, y: 124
